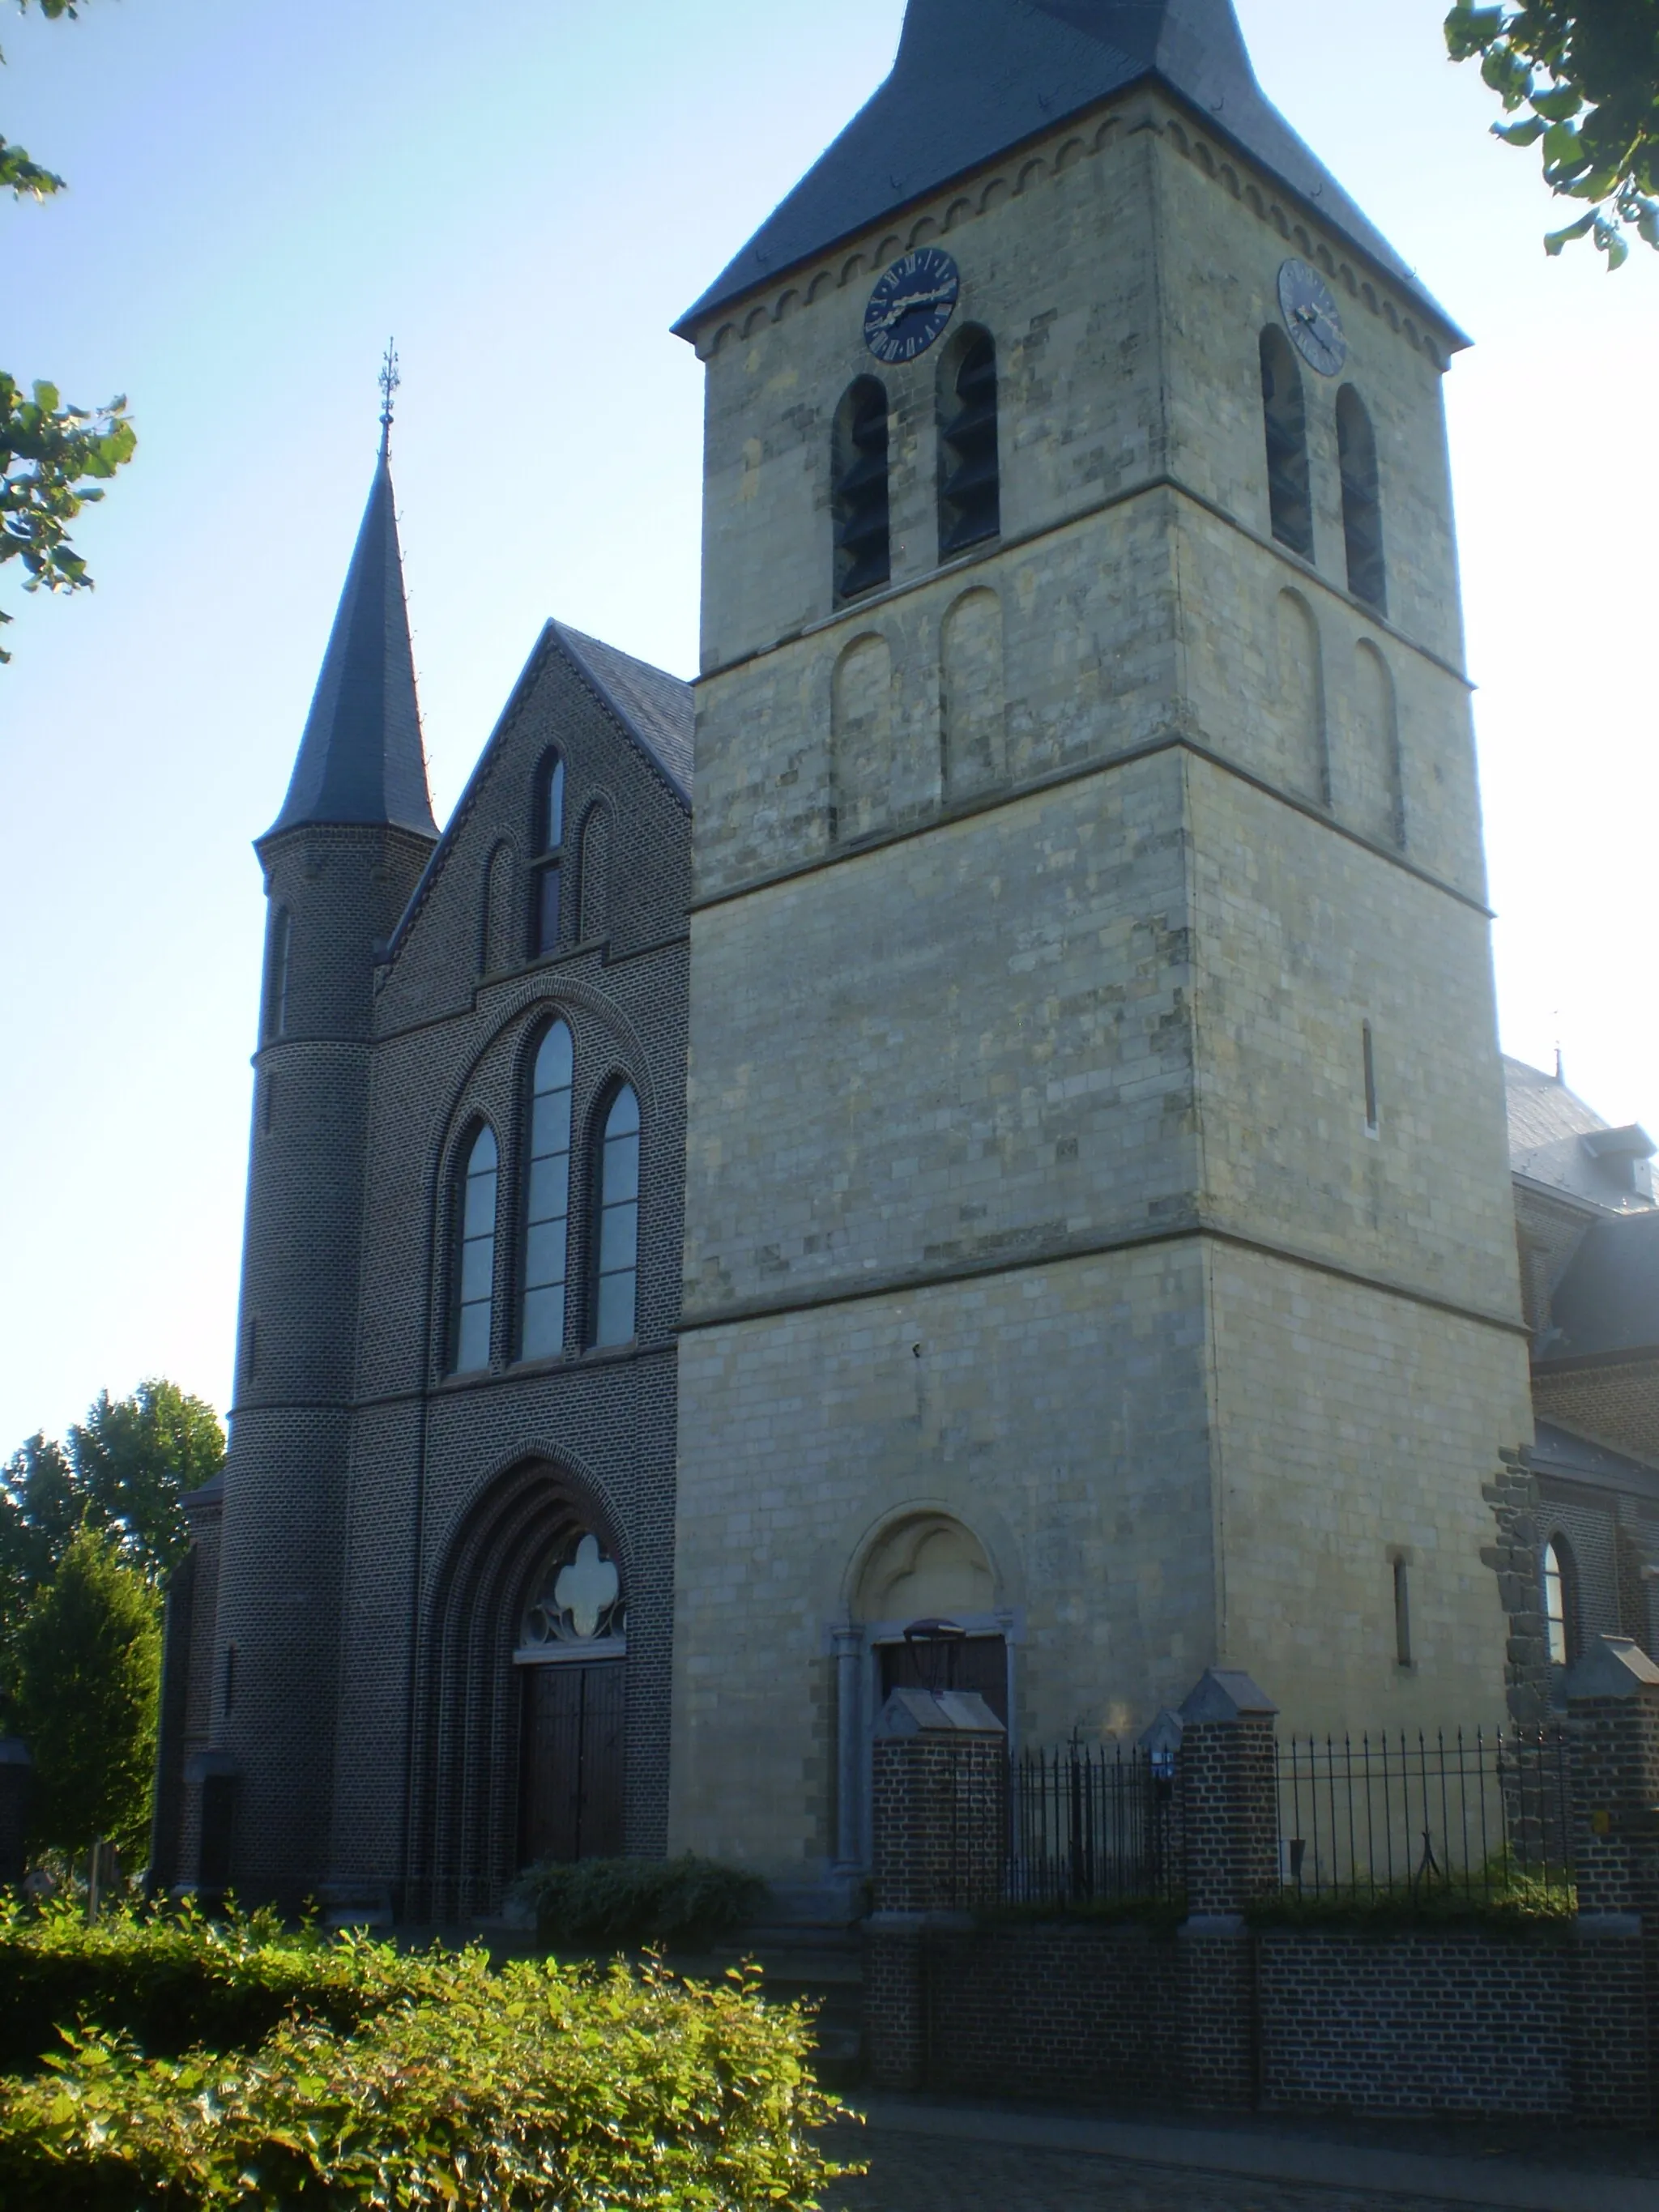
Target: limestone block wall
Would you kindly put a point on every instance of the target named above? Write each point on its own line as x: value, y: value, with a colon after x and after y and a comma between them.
x: 1353, y: 1429
x: 970, y: 1049
x: 1060, y: 1412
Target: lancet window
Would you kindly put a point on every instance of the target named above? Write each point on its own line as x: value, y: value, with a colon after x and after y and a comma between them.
x: 276, y: 967
x: 475, y: 1256
x: 863, y: 527
x: 970, y: 490
x: 1560, y: 1579
x: 1362, y: 503
x: 547, y: 1199
x: 549, y: 847
x: 617, y: 1239
x: 1290, y: 498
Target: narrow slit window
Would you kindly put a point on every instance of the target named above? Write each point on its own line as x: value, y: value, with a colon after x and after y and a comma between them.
x: 1362, y: 503
x: 282, y: 939
x: 1560, y: 1601
x: 547, y: 1199
x: 1290, y: 498
x: 548, y: 919
x: 475, y: 1298
x: 1403, y: 1614
x: 863, y: 527
x: 616, y: 1298
x: 1368, y: 1054
x: 970, y: 488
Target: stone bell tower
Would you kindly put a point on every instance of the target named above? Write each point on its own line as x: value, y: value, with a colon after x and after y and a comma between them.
x: 1098, y: 1221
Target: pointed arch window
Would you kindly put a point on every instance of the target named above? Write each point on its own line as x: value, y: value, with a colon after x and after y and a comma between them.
x: 475, y: 1257
x: 1362, y: 501
x: 1560, y: 1579
x: 617, y: 1239
x: 548, y: 844
x: 1290, y: 498
x: 276, y: 967
x: 863, y: 528
x: 970, y: 485
x: 547, y: 1199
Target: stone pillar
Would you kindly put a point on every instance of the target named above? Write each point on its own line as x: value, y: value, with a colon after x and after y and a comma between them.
x: 941, y: 1822
x: 1612, y: 1705
x: 1228, y: 1791
x: 17, y: 1780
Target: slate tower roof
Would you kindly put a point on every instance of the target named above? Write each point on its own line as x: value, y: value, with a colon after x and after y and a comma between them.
x: 974, y: 78
x: 360, y: 758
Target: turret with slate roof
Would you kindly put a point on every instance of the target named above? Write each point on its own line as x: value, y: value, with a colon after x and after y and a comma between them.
x: 341, y: 862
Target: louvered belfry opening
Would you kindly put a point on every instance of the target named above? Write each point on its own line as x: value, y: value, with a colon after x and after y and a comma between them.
x: 863, y: 531
x: 1362, y: 504
x: 970, y: 476
x: 1290, y: 498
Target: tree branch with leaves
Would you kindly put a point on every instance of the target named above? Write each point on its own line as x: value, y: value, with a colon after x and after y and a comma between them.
x: 1586, y: 74
x: 54, y: 459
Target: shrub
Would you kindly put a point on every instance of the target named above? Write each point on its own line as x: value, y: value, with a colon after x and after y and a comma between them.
x: 597, y: 1903
x: 539, y: 2089
x: 170, y: 1980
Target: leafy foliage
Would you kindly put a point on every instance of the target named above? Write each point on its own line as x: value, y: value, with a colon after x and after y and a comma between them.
x: 88, y: 1669
x: 173, y: 1980
x: 1587, y: 74
x: 599, y: 1902
x: 539, y: 2087
x: 54, y: 459
x: 126, y: 1468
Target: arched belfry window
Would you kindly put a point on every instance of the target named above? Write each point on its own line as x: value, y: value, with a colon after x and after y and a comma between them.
x: 1362, y: 502
x: 475, y: 1257
x: 1290, y: 499
x: 277, y: 966
x: 547, y: 1199
x: 1560, y: 1580
x: 548, y: 844
x: 971, y: 488
x: 578, y: 1605
x: 617, y: 1240
x: 863, y: 531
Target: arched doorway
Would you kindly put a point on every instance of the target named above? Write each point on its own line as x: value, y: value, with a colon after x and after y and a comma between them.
x: 572, y: 1645
x: 523, y: 1633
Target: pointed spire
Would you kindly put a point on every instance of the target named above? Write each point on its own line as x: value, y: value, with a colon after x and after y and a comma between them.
x: 360, y: 759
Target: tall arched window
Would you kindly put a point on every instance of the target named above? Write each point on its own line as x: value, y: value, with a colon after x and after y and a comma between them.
x: 969, y: 476
x: 277, y: 965
x: 1362, y: 503
x: 548, y: 844
x: 596, y: 875
x: 863, y: 532
x: 475, y: 1268
x: 1290, y: 500
x: 618, y: 1242
x: 547, y: 1199
x: 1560, y: 1579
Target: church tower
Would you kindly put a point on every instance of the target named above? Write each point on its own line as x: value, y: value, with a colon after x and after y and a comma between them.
x: 1099, y: 1223
x: 340, y: 862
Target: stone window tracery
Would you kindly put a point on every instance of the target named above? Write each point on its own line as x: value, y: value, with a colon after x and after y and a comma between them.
x: 578, y: 1604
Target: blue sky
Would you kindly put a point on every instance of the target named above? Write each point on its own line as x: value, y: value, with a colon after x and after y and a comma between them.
x: 528, y: 194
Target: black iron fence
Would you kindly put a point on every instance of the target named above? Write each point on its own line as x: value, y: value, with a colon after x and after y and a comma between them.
x: 1093, y: 1824
x: 1485, y: 1817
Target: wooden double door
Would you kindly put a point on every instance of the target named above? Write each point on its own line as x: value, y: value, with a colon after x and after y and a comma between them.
x: 571, y: 1766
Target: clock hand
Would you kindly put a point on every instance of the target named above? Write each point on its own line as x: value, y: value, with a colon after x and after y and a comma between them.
x: 907, y: 302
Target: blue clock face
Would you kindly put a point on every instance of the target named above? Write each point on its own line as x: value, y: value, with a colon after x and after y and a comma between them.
x: 1309, y: 306
x: 912, y: 304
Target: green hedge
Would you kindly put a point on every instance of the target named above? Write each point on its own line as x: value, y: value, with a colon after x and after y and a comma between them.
x: 540, y: 2088
x: 599, y: 1903
x: 172, y: 1980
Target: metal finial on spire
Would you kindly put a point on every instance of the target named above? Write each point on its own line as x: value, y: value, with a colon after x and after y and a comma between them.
x: 390, y: 383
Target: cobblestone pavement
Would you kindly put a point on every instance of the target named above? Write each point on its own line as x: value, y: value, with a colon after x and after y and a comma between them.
x: 922, y: 2174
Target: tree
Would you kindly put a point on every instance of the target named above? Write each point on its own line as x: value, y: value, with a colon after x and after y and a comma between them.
x: 53, y: 459
x: 1587, y: 73
x: 89, y: 1656
x: 126, y: 1468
